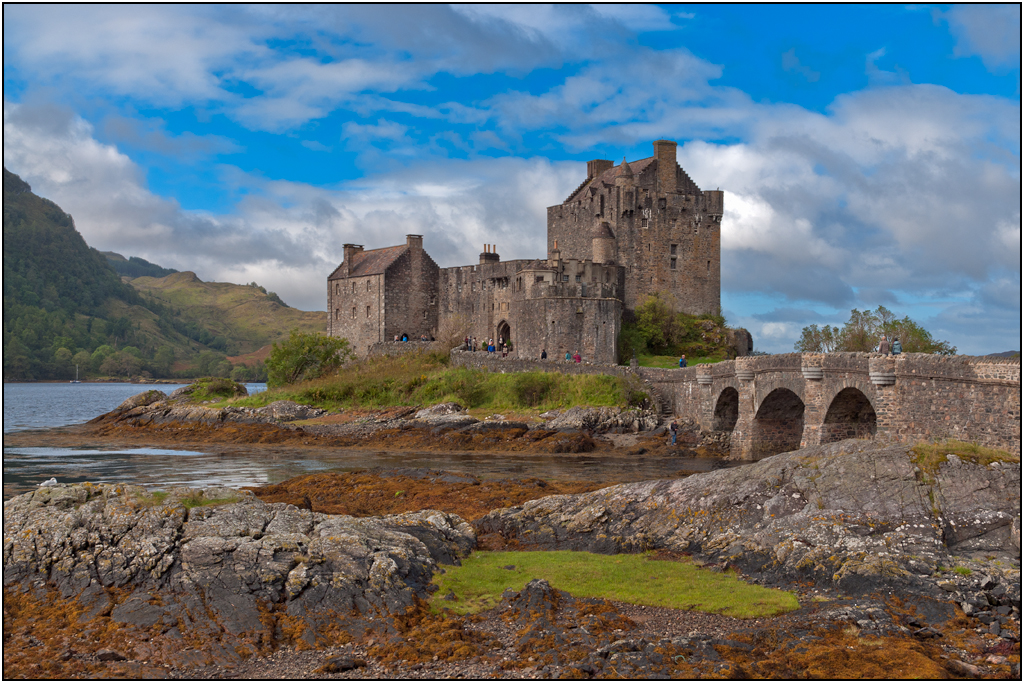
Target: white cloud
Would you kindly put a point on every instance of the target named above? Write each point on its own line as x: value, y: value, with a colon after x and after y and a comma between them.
x: 990, y: 31
x: 285, y: 235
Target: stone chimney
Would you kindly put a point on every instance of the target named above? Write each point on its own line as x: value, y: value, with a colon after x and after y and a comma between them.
x: 414, y: 242
x: 665, y: 153
x: 350, y: 251
x: 596, y: 167
x: 489, y: 255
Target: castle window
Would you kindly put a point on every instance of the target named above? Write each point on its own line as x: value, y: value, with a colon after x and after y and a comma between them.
x: 672, y: 264
x: 353, y: 288
x: 353, y: 312
x: 565, y: 278
x: 367, y: 311
x: 367, y: 285
x: 579, y: 278
x: 337, y: 314
x: 643, y: 222
x: 709, y: 267
x: 672, y: 250
x: 602, y: 205
x: 538, y: 279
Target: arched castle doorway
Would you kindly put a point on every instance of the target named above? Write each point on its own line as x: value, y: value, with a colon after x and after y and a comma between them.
x: 504, y: 332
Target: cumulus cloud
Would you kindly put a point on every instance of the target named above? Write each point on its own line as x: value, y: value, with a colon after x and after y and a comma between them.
x: 991, y: 32
x: 285, y: 235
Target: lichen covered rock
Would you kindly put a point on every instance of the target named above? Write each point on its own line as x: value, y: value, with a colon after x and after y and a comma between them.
x: 221, y: 561
x: 857, y: 514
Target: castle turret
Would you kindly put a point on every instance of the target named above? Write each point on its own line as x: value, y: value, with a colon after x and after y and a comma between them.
x: 602, y: 241
x: 625, y: 178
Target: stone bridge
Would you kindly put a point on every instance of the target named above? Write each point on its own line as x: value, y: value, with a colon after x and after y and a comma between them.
x: 778, y: 403
x: 772, y: 404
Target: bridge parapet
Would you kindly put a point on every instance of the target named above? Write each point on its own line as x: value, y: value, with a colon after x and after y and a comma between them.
x: 799, y: 399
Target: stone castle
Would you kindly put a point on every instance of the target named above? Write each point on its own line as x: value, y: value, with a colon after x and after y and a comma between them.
x: 627, y: 231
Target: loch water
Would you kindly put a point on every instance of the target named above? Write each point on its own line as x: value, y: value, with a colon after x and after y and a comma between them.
x: 31, y: 409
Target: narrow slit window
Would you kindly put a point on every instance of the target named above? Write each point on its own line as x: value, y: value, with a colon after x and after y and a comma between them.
x: 672, y: 264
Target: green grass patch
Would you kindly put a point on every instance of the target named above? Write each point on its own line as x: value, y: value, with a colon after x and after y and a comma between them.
x: 200, y: 500
x: 214, y: 389
x: 426, y: 378
x: 637, y: 579
x: 929, y: 456
x: 648, y: 361
x: 153, y: 498
x: 962, y: 571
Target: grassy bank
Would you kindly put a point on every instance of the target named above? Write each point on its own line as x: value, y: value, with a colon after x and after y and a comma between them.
x: 650, y: 361
x: 427, y: 378
x: 638, y: 579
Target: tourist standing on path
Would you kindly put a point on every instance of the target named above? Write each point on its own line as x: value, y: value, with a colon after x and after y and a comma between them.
x: 568, y: 357
x: 682, y: 360
x: 543, y: 354
x: 897, y: 348
x: 883, y: 346
x: 576, y: 357
x: 675, y: 430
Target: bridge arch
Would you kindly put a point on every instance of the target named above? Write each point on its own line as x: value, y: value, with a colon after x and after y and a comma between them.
x: 727, y: 410
x: 778, y: 424
x: 850, y: 415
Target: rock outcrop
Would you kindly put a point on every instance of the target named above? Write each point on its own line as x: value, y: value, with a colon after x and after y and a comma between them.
x: 220, y: 564
x: 855, y: 514
x: 605, y: 420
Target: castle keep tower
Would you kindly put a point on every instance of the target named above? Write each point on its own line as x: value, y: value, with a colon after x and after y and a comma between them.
x: 654, y: 222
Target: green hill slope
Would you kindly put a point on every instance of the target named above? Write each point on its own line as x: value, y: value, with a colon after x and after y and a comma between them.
x: 64, y: 305
x: 246, y: 316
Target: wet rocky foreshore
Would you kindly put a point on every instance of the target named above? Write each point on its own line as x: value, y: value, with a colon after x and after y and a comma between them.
x: 902, y: 569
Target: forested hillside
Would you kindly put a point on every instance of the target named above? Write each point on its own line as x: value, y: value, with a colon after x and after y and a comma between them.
x: 64, y: 305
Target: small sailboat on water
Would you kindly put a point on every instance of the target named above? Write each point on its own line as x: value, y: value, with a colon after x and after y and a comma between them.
x: 75, y: 380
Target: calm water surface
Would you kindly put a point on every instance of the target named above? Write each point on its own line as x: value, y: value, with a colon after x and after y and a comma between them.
x: 29, y: 408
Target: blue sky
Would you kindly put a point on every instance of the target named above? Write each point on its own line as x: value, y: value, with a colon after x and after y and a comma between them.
x: 870, y: 154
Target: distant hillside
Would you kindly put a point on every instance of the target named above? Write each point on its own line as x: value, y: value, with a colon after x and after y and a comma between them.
x: 135, y: 266
x: 246, y: 315
x: 65, y: 305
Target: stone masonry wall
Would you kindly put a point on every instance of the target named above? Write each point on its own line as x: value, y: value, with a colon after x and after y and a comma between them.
x: 410, y: 295
x: 973, y: 399
x: 668, y: 235
x: 355, y: 310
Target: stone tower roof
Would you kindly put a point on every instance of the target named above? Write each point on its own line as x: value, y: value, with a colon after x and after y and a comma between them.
x: 608, y: 177
x: 371, y: 262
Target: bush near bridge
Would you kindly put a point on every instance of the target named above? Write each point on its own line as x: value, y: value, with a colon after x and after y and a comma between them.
x: 659, y: 335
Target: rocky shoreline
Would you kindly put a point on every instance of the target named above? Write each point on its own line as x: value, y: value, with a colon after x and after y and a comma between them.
x: 903, y: 569
x: 156, y: 416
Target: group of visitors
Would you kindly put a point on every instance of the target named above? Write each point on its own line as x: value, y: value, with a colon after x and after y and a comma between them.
x: 405, y: 338
x: 885, y: 348
x: 502, y: 346
x: 569, y: 357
